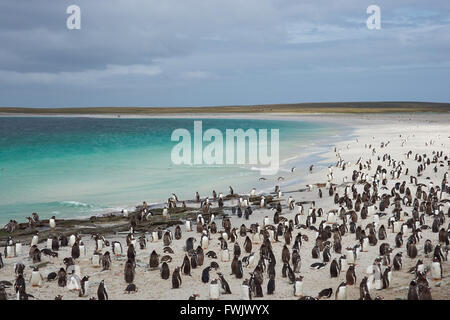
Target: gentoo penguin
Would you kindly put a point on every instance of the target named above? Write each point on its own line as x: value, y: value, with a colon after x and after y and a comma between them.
x: 351, y: 275
x: 154, y: 261
x: 387, y: 277
x: 225, y: 288
x: 190, y: 244
x: 214, y: 290
x: 298, y: 286
x: 101, y: 291
x: 75, y: 250
x: 334, y: 269
x: 62, y: 277
x: 84, y: 290
x: 248, y: 245
x: 397, y: 261
x: 186, y: 266
x: 35, y: 240
x: 271, y: 285
x: 36, y: 278
x: 341, y: 292
x: 129, y: 271
x: 74, y: 283
x: 55, y: 243
x: 343, y: 263
x: 106, y: 261
x: 245, y: 291
x: 52, y: 223
x: 177, y: 232
x: 165, y: 272
x: 436, y: 269
x: 117, y: 248
x: 176, y: 278
x: 325, y: 293
x: 224, y: 255
x: 204, y: 242
x: 96, y: 259
x: 188, y: 225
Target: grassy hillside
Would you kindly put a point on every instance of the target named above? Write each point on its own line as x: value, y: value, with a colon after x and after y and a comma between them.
x: 334, y: 107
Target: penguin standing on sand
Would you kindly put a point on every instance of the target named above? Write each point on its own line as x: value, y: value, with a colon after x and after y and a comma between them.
x: 101, y: 291
x: 341, y: 292
x: 351, y: 275
x: 298, y: 286
x: 84, y: 287
x: 214, y: 290
x: 165, y: 272
x: 36, y: 278
x: 334, y: 269
x: 176, y: 278
x: 62, y: 277
x: 436, y: 269
x: 224, y: 284
x: 129, y: 271
x: 154, y: 261
x: 245, y: 290
x: 106, y: 261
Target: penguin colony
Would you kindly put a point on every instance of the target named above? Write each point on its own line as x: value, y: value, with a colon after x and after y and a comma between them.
x: 381, y: 207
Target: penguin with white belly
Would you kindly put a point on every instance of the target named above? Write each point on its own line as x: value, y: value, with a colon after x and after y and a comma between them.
x: 245, y: 291
x: 36, y: 278
x: 204, y: 242
x: 341, y: 292
x: 214, y: 290
x: 35, y: 240
x: 298, y: 286
x: 436, y: 269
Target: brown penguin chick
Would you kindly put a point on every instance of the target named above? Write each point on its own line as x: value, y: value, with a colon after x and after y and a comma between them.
x: 351, y: 275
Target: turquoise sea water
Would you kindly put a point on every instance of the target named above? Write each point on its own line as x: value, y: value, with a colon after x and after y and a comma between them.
x: 79, y: 167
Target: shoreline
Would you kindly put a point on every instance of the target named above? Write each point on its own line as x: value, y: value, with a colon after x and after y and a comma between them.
x: 404, y: 134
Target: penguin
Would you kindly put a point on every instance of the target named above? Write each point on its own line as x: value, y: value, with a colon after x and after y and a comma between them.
x: 101, y: 291
x: 317, y: 265
x: 84, y: 290
x: 245, y: 291
x: 36, y: 278
x: 35, y: 239
x: 436, y: 269
x: 165, y: 272
x: 343, y: 263
x: 129, y: 271
x: 117, y: 248
x: 214, y: 290
x: 225, y: 288
x: 334, y: 269
x: 74, y: 282
x: 397, y: 261
x: 177, y: 232
x: 224, y: 255
x: 315, y: 252
x: 341, y: 292
x: 106, y: 261
x: 55, y: 243
x: 3, y: 295
x: 52, y: 223
x: 387, y: 275
x: 298, y: 286
x: 325, y: 293
x: 190, y: 244
x: 186, y: 266
x: 271, y: 285
x: 51, y: 276
x: 176, y: 278
x: 154, y: 261
x: 75, y: 250
x: 351, y: 275
x: 62, y: 277
x: 248, y: 245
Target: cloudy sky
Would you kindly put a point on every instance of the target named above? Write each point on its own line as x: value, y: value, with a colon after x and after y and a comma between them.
x: 222, y: 52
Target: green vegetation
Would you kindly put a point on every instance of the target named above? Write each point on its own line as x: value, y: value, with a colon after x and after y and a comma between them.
x: 332, y: 107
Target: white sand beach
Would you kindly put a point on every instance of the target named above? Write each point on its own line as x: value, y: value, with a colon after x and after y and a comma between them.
x: 402, y: 132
